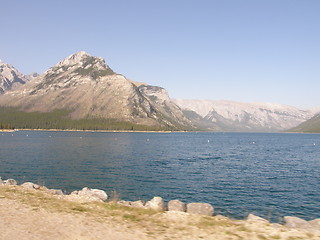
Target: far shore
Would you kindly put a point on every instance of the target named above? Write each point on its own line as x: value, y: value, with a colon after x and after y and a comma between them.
x: 78, y: 130
x: 137, y: 131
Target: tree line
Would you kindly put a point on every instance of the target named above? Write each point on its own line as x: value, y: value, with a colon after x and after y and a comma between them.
x: 12, y: 118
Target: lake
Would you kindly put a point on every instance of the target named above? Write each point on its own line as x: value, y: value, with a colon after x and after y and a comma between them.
x: 268, y: 174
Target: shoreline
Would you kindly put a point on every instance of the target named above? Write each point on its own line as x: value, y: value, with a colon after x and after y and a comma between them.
x: 109, y: 131
x: 139, y: 131
x: 25, y: 204
x: 98, y: 195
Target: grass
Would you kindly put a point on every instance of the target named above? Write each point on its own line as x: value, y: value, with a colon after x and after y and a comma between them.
x: 275, y: 237
x: 152, y: 223
x: 262, y: 237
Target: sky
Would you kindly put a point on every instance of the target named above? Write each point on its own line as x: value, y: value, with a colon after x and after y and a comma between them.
x: 246, y: 51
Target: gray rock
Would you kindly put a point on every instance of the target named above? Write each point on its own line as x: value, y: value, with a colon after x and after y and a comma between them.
x: 295, y: 222
x: 177, y: 205
x: 30, y: 185
x: 55, y: 191
x: 93, y: 193
x: 254, y: 218
x: 138, y: 204
x: 10, y: 181
x: 124, y: 203
x: 156, y: 203
x: 200, y: 208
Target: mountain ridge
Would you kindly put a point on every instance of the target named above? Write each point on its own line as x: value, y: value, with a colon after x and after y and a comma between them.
x: 238, y: 116
x: 89, y: 88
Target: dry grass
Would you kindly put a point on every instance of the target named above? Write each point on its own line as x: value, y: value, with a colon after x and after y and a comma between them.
x: 152, y: 223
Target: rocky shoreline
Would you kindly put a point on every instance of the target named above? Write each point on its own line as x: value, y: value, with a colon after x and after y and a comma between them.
x: 86, y: 195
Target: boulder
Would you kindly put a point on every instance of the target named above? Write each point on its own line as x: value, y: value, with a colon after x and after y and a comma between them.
x: 177, y: 205
x: 124, y: 203
x: 156, y: 203
x: 30, y: 185
x: 10, y: 181
x: 295, y: 222
x: 55, y: 191
x: 254, y: 218
x: 93, y: 193
x: 138, y: 204
x: 200, y: 208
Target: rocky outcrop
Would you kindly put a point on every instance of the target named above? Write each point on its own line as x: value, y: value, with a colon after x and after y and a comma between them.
x: 254, y: 218
x: 156, y: 203
x: 33, y: 186
x: 30, y: 185
x: 177, y: 205
x: 10, y: 181
x: 160, y: 99
x: 136, y: 204
x: 200, y: 208
x: 91, y: 194
x: 10, y: 77
x: 55, y: 191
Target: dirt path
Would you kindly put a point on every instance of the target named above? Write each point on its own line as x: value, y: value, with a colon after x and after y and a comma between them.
x: 19, y: 221
x: 33, y: 215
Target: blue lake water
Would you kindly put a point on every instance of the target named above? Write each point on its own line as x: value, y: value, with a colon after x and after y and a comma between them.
x: 271, y: 175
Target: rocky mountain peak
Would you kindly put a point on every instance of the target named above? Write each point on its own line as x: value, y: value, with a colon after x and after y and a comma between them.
x: 80, y: 60
x: 81, y: 63
x: 74, y: 70
x: 76, y: 58
x: 10, y: 77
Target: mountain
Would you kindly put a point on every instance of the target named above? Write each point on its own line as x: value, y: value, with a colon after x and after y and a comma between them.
x: 10, y: 77
x: 236, y: 116
x: 310, y: 126
x: 88, y: 88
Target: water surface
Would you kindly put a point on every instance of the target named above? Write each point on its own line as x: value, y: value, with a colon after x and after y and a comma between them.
x: 271, y: 175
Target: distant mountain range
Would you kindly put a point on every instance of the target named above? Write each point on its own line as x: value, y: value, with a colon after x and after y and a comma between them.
x: 83, y: 92
x: 10, y: 78
x: 252, y: 117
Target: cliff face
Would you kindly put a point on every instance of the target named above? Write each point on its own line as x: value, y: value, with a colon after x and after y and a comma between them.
x: 89, y: 88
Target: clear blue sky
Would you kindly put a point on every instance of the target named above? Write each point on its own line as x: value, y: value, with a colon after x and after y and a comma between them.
x: 248, y: 50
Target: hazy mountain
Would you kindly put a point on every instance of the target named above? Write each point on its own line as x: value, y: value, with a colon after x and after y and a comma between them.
x: 236, y: 116
x: 10, y: 77
x: 310, y: 126
x: 89, y: 88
